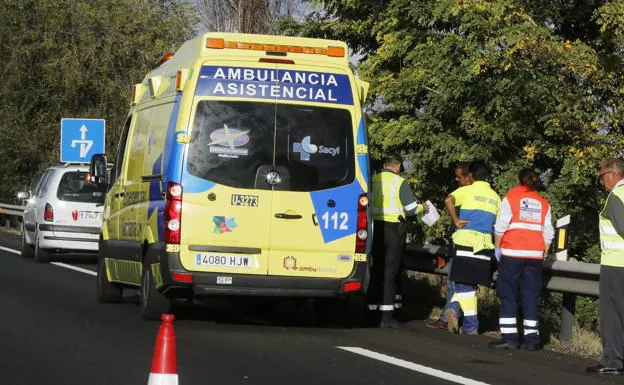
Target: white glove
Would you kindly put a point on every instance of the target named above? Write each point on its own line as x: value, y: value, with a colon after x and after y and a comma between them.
x: 498, y: 253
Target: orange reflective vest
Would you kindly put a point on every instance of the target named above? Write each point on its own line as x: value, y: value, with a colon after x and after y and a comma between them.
x: 525, y: 236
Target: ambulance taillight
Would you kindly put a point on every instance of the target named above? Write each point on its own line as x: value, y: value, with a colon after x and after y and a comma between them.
x: 173, y: 213
x: 361, y: 234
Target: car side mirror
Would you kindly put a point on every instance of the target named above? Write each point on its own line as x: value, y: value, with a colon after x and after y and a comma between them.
x: 98, y: 173
x: 23, y: 195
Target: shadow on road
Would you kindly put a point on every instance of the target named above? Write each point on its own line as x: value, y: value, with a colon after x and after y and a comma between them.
x: 81, y: 258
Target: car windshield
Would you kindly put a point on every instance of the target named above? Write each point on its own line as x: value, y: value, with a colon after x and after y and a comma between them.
x: 234, y: 142
x: 73, y: 187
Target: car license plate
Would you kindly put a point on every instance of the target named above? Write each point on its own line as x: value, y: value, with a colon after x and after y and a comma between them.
x: 220, y: 260
x: 90, y: 215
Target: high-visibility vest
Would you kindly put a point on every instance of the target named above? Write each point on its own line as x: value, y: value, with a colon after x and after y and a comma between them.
x: 611, y: 242
x: 387, y: 205
x: 525, y: 236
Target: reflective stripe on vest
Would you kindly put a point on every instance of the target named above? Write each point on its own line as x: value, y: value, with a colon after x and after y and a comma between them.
x: 525, y: 237
x: 611, y: 242
x: 526, y: 226
x: 470, y: 254
x: 522, y: 253
x: 387, y: 205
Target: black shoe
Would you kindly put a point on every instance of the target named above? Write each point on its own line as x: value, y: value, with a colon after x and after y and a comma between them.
x: 533, y: 348
x: 502, y: 345
x: 599, y: 369
x: 392, y: 324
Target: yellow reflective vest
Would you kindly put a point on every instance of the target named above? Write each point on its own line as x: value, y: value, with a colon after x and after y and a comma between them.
x: 611, y: 242
x: 387, y: 205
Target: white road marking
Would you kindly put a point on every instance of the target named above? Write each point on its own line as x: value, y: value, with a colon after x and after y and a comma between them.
x: 70, y: 267
x: 412, y: 366
x: 11, y: 250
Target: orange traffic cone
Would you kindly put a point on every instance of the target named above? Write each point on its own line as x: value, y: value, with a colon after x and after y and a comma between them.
x: 164, y: 365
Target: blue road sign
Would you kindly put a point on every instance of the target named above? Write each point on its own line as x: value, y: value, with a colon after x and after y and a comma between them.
x: 81, y: 139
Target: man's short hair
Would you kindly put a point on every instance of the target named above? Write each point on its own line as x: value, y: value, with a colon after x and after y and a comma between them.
x: 464, y: 167
x: 479, y: 171
x: 614, y: 164
x: 393, y: 159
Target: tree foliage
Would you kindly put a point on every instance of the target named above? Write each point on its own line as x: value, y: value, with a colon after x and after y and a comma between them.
x: 512, y: 83
x: 74, y: 59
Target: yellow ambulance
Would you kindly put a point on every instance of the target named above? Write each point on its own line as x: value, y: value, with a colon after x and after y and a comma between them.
x: 242, y: 170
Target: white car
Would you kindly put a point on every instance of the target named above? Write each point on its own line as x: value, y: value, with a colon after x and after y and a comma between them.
x: 64, y: 213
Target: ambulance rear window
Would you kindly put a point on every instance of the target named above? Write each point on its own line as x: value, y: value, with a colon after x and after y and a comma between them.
x: 234, y: 142
x: 230, y: 141
x: 315, y: 145
x: 74, y: 188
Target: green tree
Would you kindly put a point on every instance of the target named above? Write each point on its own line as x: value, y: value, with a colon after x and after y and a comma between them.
x: 74, y: 59
x: 511, y: 83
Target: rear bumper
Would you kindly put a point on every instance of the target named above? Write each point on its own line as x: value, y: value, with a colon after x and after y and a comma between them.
x: 68, y: 237
x: 205, y: 284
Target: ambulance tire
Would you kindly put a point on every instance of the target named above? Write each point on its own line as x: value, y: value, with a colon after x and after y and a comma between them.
x: 28, y: 251
x: 152, y: 302
x: 41, y: 255
x: 106, y: 291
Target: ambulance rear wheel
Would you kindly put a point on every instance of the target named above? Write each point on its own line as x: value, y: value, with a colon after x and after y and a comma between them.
x: 28, y: 251
x: 106, y: 291
x: 153, y: 303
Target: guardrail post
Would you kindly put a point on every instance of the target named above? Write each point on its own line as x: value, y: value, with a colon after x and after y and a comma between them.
x: 568, y: 311
x: 568, y: 308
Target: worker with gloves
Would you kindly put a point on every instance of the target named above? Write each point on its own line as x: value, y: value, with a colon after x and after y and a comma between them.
x: 393, y: 203
x: 523, y: 233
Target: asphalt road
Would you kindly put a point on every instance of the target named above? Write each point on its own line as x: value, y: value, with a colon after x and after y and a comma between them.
x: 52, y: 331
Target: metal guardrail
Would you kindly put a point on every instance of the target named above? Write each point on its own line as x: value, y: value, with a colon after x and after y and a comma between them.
x: 11, y: 210
x: 559, y: 276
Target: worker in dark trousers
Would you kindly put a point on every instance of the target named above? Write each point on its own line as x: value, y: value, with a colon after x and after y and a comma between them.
x: 393, y: 202
x: 522, y: 235
x: 611, y: 287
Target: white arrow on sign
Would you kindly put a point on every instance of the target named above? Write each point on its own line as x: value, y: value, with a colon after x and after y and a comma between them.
x: 85, y: 145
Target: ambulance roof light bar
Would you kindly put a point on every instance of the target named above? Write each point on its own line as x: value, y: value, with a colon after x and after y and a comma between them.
x: 218, y: 43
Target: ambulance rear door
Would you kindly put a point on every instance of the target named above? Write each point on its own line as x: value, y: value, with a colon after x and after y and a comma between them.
x: 315, y: 189
x: 226, y: 214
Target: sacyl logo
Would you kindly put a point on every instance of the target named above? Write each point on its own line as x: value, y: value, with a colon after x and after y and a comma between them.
x: 306, y: 148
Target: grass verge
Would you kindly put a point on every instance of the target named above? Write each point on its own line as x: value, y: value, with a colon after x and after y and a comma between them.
x: 10, y: 230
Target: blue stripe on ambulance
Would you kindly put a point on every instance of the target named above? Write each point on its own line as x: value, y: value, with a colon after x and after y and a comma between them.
x: 166, y: 162
x: 331, y: 220
x: 362, y: 158
x: 173, y: 164
x: 193, y: 184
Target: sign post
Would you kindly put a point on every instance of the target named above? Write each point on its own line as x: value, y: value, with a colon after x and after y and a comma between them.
x: 81, y: 139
